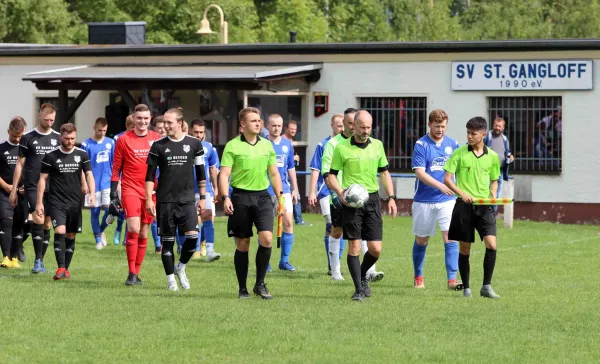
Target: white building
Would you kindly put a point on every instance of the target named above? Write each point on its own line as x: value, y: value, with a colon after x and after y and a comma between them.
x: 400, y: 83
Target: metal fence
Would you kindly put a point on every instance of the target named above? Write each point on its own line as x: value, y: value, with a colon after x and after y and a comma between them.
x: 398, y: 122
x: 534, y: 129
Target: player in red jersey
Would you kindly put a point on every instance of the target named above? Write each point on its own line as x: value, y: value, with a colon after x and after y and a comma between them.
x: 131, y: 153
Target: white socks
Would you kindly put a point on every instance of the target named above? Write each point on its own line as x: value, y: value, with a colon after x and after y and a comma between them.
x: 171, y: 278
x: 209, y: 247
x: 334, y: 254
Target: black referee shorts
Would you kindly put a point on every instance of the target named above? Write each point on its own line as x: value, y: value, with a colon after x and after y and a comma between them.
x: 67, y: 215
x: 31, y: 198
x: 171, y: 216
x: 467, y: 218
x: 336, y: 216
x: 364, y: 223
x: 250, y: 208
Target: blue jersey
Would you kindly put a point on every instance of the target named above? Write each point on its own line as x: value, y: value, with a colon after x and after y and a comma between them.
x: 284, y: 153
x: 431, y: 156
x: 315, y: 164
x: 101, y: 160
x: 210, y: 160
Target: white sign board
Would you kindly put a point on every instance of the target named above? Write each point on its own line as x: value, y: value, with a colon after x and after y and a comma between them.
x: 522, y: 75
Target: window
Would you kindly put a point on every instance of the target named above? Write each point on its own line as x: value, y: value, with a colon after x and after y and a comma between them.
x: 398, y: 122
x: 54, y: 101
x: 534, y: 130
x: 289, y: 107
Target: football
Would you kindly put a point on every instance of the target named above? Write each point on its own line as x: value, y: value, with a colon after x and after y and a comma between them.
x: 356, y: 195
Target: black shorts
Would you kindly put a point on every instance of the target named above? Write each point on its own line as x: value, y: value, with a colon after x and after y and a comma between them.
x: 6, y: 209
x: 467, y: 218
x: 171, y: 216
x: 336, y: 216
x: 250, y: 207
x: 20, y: 216
x: 68, y: 215
x: 364, y: 223
x: 31, y: 198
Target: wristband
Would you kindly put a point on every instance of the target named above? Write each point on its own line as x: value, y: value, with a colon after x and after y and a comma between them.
x: 224, y: 197
x: 203, y: 197
x: 392, y: 197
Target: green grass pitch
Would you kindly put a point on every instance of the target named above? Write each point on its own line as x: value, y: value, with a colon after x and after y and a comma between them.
x: 546, y: 274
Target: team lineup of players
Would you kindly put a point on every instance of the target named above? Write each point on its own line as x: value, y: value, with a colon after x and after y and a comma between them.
x: 166, y: 181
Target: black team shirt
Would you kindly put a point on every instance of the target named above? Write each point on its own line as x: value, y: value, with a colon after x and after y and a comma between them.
x: 64, y: 169
x: 9, y: 154
x: 33, y: 146
x: 175, y: 160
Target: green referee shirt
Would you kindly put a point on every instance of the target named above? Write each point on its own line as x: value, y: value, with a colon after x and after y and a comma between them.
x: 360, y: 163
x: 328, y: 157
x: 474, y: 174
x: 249, y: 162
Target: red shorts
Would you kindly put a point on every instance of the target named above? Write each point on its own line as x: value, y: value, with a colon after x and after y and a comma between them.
x: 136, y: 207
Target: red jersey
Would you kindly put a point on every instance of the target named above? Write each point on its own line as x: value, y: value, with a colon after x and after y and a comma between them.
x: 131, y: 153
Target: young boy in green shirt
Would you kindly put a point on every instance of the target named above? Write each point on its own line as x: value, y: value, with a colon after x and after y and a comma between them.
x: 477, y: 169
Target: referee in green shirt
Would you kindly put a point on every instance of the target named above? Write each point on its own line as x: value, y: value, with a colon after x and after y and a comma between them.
x: 477, y: 169
x: 246, y: 159
x: 360, y: 158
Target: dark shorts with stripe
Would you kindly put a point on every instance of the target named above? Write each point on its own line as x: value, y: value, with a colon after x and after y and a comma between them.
x: 67, y: 215
x: 172, y: 216
x: 364, y: 223
x: 466, y: 218
x: 250, y: 208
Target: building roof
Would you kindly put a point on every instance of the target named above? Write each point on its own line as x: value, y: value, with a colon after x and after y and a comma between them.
x: 300, y: 48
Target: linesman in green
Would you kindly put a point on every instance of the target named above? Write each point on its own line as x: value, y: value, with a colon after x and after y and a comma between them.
x: 359, y: 159
x: 247, y: 159
x: 477, y: 169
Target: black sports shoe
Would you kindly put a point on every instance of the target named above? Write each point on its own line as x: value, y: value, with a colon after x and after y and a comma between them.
x: 366, y: 288
x: 22, y: 256
x: 262, y: 291
x: 138, y: 280
x: 358, y: 296
x: 131, y: 279
x: 243, y: 294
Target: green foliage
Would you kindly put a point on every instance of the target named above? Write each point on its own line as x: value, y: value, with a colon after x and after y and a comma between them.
x: 36, y: 21
x: 267, y: 21
x: 301, y: 16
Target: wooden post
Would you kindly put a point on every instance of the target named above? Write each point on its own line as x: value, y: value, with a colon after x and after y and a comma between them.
x: 508, y: 191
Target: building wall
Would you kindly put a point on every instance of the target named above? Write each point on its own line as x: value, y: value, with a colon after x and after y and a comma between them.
x: 347, y: 82
x: 20, y: 98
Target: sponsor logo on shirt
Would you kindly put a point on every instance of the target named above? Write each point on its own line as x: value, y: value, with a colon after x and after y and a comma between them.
x: 438, y: 164
x: 102, y: 157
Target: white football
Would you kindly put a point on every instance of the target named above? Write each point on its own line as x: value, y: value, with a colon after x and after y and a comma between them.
x: 356, y: 196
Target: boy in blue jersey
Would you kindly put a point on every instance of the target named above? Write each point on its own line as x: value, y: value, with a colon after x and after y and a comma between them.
x: 318, y: 189
x: 433, y: 201
x: 284, y: 153
x: 211, y: 161
x: 100, y: 149
x: 129, y: 125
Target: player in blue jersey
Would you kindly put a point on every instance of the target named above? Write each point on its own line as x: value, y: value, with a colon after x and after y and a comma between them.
x: 433, y: 201
x: 211, y: 161
x: 129, y: 125
x: 318, y: 191
x: 284, y: 152
x: 100, y: 149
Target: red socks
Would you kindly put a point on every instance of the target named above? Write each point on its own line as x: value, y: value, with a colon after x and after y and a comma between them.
x: 141, y: 252
x: 131, y: 246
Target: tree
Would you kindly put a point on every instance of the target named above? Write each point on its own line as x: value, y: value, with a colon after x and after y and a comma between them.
x: 37, y: 21
x: 301, y: 16
x: 505, y: 19
x: 359, y: 21
x: 574, y: 18
x: 419, y: 20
